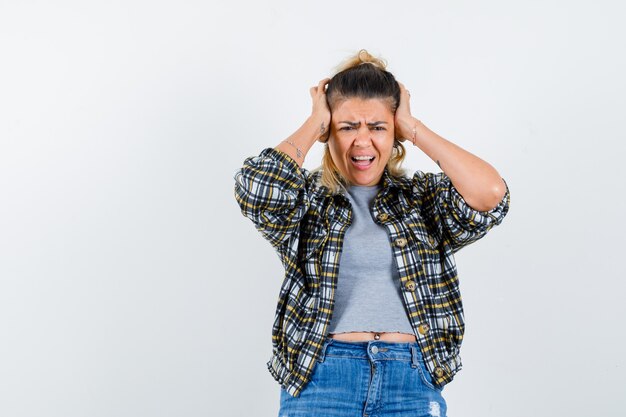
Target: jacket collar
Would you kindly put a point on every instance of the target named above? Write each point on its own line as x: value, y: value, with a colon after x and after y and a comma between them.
x: 388, y: 183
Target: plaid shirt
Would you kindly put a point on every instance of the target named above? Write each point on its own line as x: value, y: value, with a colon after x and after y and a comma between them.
x: 427, y: 221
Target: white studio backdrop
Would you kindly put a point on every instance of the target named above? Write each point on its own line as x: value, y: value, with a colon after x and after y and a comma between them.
x: 130, y: 284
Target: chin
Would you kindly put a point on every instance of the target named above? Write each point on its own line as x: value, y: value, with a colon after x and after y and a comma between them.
x: 369, y: 180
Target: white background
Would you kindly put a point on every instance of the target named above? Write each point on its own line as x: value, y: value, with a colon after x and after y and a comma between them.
x: 130, y: 284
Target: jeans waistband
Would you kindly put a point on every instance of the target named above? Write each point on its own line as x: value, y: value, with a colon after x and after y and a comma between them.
x: 372, y: 350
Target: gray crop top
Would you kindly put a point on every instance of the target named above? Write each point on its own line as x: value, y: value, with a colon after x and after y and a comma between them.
x: 368, y: 297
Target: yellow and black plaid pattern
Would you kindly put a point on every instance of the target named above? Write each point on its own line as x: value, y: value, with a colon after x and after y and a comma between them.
x: 427, y: 221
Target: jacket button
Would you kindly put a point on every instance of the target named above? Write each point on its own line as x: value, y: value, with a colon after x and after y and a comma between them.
x: 400, y: 242
x: 382, y: 217
x: 410, y: 285
x: 423, y: 328
x: 438, y: 372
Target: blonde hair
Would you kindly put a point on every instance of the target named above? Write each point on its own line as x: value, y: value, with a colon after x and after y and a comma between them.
x: 363, y: 76
x: 362, y: 57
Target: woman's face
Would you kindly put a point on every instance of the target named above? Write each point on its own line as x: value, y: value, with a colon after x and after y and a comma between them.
x: 361, y: 139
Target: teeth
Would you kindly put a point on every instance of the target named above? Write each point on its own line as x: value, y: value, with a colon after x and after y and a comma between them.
x: 362, y: 158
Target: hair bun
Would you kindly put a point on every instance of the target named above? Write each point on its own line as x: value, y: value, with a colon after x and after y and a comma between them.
x: 367, y: 58
x: 362, y: 57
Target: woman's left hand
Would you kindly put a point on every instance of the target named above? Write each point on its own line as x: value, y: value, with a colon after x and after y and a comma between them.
x: 403, y: 121
x: 478, y: 182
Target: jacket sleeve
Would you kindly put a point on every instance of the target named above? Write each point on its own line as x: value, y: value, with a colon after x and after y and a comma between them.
x: 271, y: 190
x: 461, y: 224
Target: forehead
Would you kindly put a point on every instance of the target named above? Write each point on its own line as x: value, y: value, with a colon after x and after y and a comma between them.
x: 352, y: 109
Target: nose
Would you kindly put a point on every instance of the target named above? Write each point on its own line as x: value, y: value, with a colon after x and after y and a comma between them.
x: 363, y: 136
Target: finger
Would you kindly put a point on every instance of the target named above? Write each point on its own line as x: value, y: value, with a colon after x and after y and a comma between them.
x: 321, y: 86
x: 403, y: 89
x: 405, y: 95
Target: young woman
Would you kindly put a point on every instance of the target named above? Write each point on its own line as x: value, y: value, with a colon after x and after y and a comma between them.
x: 369, y: 320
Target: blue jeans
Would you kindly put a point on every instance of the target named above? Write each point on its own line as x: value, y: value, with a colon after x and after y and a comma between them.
x: 367, y: 379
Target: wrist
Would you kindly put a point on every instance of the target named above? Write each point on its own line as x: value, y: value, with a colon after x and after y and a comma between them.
x: 318, y: 124
x: 409, y: 129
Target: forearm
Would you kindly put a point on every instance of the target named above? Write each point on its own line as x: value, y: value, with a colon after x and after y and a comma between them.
x: 476, y: 180
x: 300, y: 142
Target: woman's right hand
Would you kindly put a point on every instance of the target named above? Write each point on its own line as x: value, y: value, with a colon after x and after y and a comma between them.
x: 315, y: 128
x: 320, y: 109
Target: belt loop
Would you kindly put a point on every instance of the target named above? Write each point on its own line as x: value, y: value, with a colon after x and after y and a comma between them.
x: 327, y: 342
x: 414, y: 359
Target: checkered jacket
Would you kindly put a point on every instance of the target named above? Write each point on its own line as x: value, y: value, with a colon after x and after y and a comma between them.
x: 427, y: 221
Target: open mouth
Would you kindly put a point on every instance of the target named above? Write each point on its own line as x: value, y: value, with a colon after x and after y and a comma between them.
x: 362, y: 161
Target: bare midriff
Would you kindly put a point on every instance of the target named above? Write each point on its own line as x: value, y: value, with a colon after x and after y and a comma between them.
x: 366, y: 336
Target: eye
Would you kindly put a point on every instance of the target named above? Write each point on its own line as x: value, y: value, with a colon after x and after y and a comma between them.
x: 379, y: 128
x: 346, y: 128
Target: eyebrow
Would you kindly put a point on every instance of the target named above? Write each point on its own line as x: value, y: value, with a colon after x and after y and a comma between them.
x: 356, y: 124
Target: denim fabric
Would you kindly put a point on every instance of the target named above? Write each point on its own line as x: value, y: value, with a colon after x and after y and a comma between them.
x: 367, y: 379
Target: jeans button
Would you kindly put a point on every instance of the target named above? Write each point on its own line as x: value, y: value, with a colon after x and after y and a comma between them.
x: 374, y: 349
